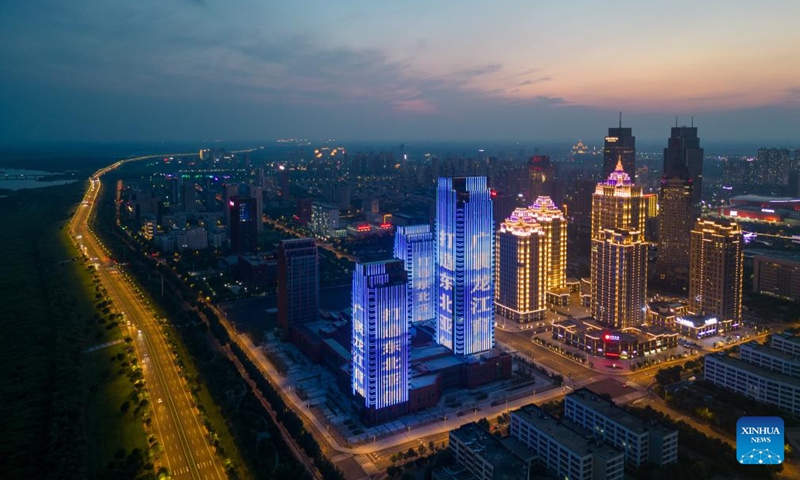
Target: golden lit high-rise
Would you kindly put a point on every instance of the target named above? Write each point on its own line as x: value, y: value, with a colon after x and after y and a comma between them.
x: 520, y: 275
x: 554, y: 225
x: 674, y: 224
x: 716, y: 263
x: 619, y: 252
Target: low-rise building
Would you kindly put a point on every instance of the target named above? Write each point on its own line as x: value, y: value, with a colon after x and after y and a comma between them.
x: 664, y: 313
x: 753, y: 381
x: 195, y: 238
x: 631, y: 342
x: 777, y: 274
x: 641, y: 441
x: 325, y: 222
x: 564, y: 448
x: 786, y: 343
x: 770, y: 358
x: 484, y: 456
x: 702, y: 326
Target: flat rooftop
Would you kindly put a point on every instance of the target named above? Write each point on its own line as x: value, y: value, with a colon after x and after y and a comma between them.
x: 506, y: 464
x: 610, y: 410
x: 339, y: 349
x: 420, y: 354
x: 773, y: 254
x: 763, y: 199
x: 565, y: 432
x: 788, y: 337
x: 754, y: 369
x: 443, y: 362
x: 769, y: 351
x: 422, y: 381
x: 666, y: 304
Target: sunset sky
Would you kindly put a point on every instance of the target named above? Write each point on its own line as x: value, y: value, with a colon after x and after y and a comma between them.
x: 407, y: 70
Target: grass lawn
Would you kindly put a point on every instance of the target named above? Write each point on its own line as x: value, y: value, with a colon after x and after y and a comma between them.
x: 109, y: 429
x: 57, y: 419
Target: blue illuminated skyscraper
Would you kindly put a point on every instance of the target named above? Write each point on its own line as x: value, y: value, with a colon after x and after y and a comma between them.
x: 465, y: 265
x: 415, y: 246
x: 380, y: 343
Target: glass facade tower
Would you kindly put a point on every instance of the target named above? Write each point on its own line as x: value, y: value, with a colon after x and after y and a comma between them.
x: 415, y: 246
x: 465, y: 265
x: 380, y: 341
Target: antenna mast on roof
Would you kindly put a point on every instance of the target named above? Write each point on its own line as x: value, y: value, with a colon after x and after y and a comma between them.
x: 620, y: 119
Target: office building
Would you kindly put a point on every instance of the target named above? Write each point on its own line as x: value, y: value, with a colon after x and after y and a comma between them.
x: 483, y: 456
x: 618, y: 252
x: 675, y: 222
x: 149, y: 226
x: 773, y: 166
x: 777, y: 274
x: 786, y: 343
x: 679, y: 204
x: 283, y: 182
x: 415, y: 246
x: 243, y: 228
x: 564, y: 448
x: 189, y: 197
x: 464, y: 252
x: 753, y: 381
x: 641, y: 441
x: 772, y: 359
x: 650, y: 205
x: 257, y: 192
x: 195, y: 238
x: 521, y: 254
x: 230, y: 190
x: 580, y: 204
x: 175, y: 191
x: 540, y: 177
x: 298, y: 283
x: 683, y: 158
x: 620, y: 145
x: 503, y: 203
x: 554, y: 225
x: 380, y: 339
x: 324, y: 220
x: 716, y: 263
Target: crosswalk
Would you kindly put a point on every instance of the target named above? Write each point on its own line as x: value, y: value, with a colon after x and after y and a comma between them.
x: 185, y: 470
x: 366, y: 464
x: 340, y: 457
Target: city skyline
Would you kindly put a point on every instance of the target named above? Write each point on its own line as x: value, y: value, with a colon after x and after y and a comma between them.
x: 200, y: 70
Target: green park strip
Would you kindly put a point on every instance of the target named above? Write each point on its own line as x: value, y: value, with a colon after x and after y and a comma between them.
x: 60, y: 413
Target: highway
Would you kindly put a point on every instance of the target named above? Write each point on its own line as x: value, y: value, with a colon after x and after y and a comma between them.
x: 185, y: 448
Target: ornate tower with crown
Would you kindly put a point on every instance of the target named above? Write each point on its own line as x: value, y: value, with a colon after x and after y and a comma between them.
x: 619, y: 252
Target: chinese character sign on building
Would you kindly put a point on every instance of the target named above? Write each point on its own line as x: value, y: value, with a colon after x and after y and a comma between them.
x: 380, y: 342
x: 415, y: 246
x: 464, y: 230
